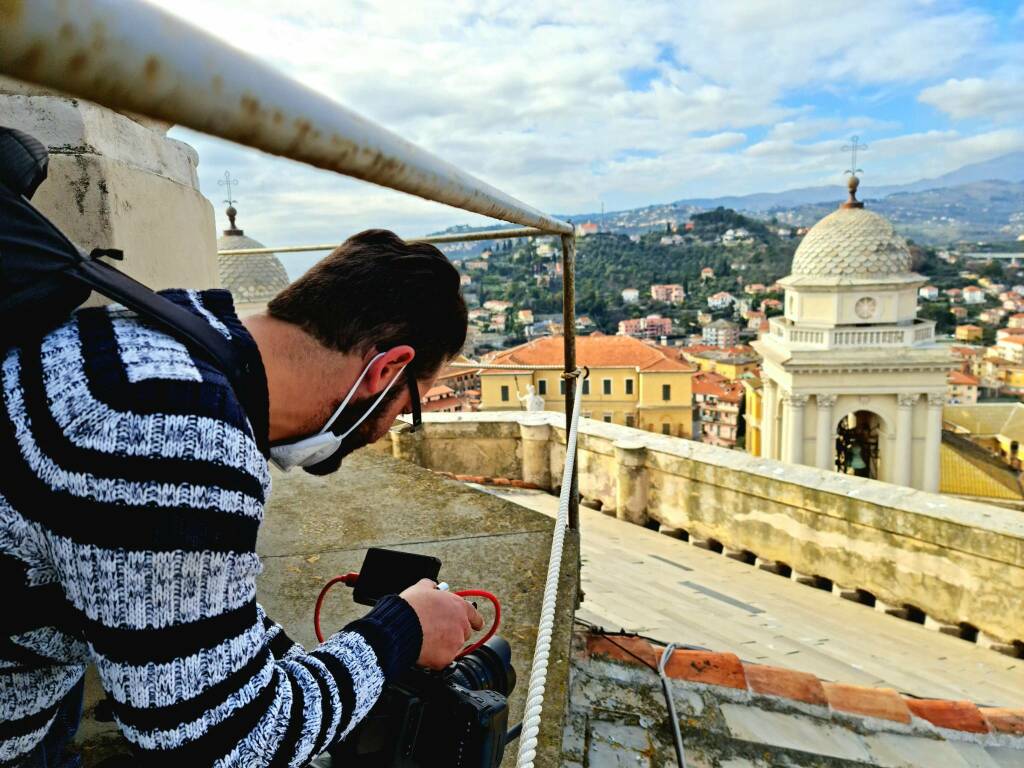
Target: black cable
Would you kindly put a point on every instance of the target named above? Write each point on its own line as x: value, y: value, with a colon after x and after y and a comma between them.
x: 513, y: 733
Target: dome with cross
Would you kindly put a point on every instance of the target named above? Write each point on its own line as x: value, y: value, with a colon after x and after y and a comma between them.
x: 852, y: 242
x: 251, y: 278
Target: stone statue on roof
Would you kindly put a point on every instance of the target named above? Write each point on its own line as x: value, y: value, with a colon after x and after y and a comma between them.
x: 531, y: 400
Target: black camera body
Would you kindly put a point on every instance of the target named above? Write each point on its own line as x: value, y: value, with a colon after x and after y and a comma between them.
x: 442, y: 718
x: 455, y: 718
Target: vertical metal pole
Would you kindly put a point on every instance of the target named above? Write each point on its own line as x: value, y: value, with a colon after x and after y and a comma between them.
x: 569, y: 336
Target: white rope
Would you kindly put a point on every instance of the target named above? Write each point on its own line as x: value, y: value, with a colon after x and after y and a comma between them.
x: 539, y: 670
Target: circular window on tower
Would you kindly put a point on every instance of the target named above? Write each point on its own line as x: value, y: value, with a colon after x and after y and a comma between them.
x: 865, y: 308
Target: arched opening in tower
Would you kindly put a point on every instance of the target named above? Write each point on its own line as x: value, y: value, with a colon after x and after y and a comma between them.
x: 858, y: 444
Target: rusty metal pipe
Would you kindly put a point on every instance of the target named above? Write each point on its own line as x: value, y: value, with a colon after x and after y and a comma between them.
x: 133, y: 57
x: 455, y: 237
x: 569, y: 344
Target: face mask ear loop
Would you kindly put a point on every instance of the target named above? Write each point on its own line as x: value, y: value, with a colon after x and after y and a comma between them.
x: 351, y: 392
x: 373, y: 407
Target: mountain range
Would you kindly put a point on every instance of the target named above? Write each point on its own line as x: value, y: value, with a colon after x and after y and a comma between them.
x: 977, y: 202
x: 980, y: 201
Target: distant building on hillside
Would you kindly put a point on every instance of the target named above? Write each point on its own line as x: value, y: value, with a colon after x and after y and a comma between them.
x: 973, y: 295
x: 630, y: 295
x: 721, y: 333
x: 587, y: 228
x: 969, y: 332
x: 721, y: 300
x: 670, y: 294
x: 928, y: 292
x: 963, y: 388
x: 707, y: 273
x: 650, y: 327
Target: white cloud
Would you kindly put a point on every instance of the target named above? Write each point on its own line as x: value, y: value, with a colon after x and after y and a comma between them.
x: 1000, y: 99
x: 535, y: 97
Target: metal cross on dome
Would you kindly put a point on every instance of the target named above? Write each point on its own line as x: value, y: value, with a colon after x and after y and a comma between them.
x: 228, y: 183
x: 853, y: 148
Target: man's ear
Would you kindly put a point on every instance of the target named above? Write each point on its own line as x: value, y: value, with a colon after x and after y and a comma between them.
x: 385, y: 368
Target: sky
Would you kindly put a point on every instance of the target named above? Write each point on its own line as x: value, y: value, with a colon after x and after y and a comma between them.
x: 570, y: 105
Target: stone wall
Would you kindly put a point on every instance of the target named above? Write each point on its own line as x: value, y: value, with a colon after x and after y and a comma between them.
x: 117, y: 181
x: 955, y: 564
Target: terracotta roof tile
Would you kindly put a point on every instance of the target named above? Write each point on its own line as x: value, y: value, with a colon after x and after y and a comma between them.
x: 594, y: 351
x: 786, y: 683
x: 726, y: 670
x: 883, y: 703
x: 722, y: 669
x: 1003, y: 720
x: 955, y: 715
x: 621, y: 648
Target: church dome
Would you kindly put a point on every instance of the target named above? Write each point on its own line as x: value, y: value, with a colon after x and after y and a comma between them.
x: 852, y: 242
x: 251, y: 278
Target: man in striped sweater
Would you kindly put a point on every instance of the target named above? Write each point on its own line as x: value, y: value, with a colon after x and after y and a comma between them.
x: 133, y: 483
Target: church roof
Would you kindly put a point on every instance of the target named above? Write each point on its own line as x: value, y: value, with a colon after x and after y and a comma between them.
x: 253, y: 277
x: 852, y: 242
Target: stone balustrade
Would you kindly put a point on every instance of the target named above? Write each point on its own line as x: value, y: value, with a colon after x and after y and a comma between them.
x: 800, y: 337
x: 957, y: 565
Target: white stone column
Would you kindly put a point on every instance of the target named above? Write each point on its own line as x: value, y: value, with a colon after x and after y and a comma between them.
x: 903, y: 461
x: 794, y: 428
x: 932, y: 442
x: 768, y: 406
x: 824, y: 438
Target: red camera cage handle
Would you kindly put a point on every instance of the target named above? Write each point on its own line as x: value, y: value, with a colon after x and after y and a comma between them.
x: 349, y: 580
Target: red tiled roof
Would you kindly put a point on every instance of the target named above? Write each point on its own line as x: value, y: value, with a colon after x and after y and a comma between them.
x: 960, y: 378
x: 708, y: 383
x: 726, y: 670
x: 596, y: 351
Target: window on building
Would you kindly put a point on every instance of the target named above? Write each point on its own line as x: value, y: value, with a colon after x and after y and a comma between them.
x: 666, y: 429
x: 504, y: 393
x: 630, y: 421
x: 629, y: 386
x: 561, y: 386
x: 607, y: 418
x: 542, y: 387
x: 586, y: 386
x: 666, y: 391
x: 607, y: 385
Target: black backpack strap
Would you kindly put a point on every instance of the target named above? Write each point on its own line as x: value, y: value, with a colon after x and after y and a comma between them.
x: 179, y: 322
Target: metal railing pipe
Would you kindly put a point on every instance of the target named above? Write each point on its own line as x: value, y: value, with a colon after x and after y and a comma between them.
x: 132, y: 56
x: 454, y: 237
x: 569, y: 345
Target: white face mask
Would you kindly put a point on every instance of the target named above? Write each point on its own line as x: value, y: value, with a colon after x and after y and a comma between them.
x: 319, y: 447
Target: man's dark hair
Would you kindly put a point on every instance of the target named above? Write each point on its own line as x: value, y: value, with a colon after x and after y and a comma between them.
x: 376, y: 290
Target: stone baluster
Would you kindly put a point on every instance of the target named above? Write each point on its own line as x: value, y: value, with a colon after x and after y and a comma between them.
x: 407, y: 444
x: 536, y: 457
x: 824, y: 439
x: 903, y: 461
x: 631, y: 482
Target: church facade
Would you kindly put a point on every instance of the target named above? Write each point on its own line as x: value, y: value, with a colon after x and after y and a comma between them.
x: 852, y: 380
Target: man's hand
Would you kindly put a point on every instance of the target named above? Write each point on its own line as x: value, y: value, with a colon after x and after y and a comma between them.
x: 446, y: 619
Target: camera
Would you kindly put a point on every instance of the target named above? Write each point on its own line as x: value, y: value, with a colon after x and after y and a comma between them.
x: 457, y: 717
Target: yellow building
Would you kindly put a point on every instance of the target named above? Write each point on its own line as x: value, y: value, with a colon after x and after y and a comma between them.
x: 730, y: 363
x: 631, y: 383
x: 969, y: 332
x: 752, y: 415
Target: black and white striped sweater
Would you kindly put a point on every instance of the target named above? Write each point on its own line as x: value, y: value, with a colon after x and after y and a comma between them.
x: 131, y: 490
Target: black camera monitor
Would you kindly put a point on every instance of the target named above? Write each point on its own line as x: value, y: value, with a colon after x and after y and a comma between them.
x: 388, y: 572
